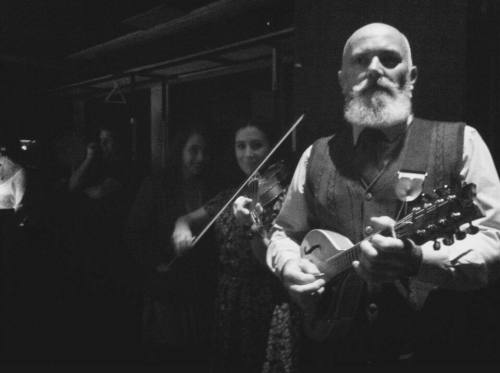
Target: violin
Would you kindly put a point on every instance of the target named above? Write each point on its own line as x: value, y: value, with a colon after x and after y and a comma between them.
x: 264, y: 188
x: 268, y: 186
x: 250, y: 178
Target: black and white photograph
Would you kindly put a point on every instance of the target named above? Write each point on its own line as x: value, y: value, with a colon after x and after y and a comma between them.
x: 249, y: 186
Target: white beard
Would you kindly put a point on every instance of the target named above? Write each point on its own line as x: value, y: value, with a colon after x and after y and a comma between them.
x: 378, y: 109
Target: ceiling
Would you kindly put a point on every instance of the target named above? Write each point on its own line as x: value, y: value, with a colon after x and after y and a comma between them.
x: 50, y: 30
x: 89, y: 47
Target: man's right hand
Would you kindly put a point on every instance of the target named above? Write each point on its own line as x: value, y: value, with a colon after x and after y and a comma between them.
x: 302, y: 278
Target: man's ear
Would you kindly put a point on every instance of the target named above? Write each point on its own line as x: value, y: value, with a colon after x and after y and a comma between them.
x: 413, y: 76
x: 340, y: 77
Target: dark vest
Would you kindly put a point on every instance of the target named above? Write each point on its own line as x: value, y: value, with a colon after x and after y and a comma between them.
x: 341, y: 202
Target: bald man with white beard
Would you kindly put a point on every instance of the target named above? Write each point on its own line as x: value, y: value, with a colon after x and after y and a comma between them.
x: 347, y: 183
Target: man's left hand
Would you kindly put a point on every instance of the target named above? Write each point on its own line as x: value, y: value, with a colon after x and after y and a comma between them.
x: 384, y: 258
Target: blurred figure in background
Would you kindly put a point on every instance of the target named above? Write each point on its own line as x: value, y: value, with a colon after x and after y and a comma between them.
x: 102, y: 189
x: 103, y: 169
x: 177, y: 298
x: 28, y: 272
x: 12, y: 174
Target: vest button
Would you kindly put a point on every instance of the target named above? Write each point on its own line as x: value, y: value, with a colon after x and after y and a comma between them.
x: 368, y: 196
x: 368, y: 229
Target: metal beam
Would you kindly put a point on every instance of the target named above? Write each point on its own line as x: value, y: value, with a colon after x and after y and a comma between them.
x: 209, y: 13
x: 147, y: 69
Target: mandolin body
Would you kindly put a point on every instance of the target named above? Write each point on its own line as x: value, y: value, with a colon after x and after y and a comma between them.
x: 319, y: 245
x: 331, y: 314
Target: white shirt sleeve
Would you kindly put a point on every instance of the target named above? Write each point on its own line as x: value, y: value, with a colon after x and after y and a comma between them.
x: 291, y: 224
x: 473, y: 262
x: 19, y: 187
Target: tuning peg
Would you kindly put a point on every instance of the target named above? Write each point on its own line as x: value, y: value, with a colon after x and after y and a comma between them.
x: 455, y: 215
x: 448, y: 241
x: 421, y: 233
x: 424, y: 197
x: 460, y: 235
x: 443, y: 191
x: 442, y: 222
x: 431, y: 228
x: 436, y: 245
x: 472, y: 228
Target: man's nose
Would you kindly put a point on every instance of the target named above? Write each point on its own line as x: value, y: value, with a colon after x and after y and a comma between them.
x: 375, y: 68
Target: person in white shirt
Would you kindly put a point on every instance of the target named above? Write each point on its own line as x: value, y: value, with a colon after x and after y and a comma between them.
x: 12, y: 178
x: 344, y: 185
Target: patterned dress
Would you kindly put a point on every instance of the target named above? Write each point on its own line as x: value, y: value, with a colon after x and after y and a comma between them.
x: 250, y: 300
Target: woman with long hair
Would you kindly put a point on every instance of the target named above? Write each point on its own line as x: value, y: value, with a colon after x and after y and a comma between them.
x: 247, y: 292
x: 175, y: 321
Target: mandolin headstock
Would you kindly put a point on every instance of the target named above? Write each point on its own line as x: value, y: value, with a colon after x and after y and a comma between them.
x: 441, y: 215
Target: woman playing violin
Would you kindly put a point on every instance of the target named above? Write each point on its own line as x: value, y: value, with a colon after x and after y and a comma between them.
x: 247, y: 292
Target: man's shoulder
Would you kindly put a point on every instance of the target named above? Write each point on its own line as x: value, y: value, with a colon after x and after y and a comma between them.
x: 438, y: 122
x: 467, y: 129
x: 322, y: 140
x: 440, y: 128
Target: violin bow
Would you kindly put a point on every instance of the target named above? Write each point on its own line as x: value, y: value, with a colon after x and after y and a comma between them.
x: 257, y: 169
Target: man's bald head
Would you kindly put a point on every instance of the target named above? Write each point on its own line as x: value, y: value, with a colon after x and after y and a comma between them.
x: 378, y: 29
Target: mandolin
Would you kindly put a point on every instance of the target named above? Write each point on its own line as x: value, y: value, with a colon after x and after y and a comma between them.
x: 441, y: 216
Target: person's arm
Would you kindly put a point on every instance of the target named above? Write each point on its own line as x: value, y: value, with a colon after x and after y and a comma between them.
x: 299, y: 275
x: 475, y: 261
x: 182, y: 236
x: 19, y: 185
x: 258, y: 244
x: 77, y: 178
x: 292, y: 222
x: 108, y: 186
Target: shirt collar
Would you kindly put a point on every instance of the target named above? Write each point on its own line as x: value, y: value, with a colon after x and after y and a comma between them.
x: 391, y: 133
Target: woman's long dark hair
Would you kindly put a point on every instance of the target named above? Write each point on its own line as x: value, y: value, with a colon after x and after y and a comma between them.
x: 266, y: 127
x: 174, y: 160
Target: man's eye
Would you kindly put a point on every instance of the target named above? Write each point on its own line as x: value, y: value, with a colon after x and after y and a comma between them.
x: 361, y: 60
x: 390, y: 61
